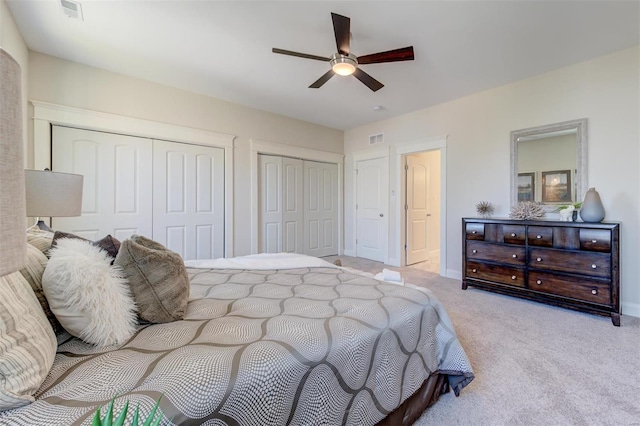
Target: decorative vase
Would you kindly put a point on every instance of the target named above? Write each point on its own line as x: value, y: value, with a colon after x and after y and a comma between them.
x: 592, y: 209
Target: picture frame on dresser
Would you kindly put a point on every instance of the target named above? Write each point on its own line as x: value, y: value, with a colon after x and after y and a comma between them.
x: 573, y: 265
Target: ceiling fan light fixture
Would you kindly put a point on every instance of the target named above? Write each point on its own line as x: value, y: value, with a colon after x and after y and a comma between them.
x: 343, y: 64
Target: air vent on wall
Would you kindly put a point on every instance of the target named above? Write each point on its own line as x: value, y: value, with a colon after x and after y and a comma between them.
x: 72, y: 9
x: 374, y: 139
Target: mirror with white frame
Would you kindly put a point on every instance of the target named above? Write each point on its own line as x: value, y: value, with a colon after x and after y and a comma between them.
x: 549, y: 164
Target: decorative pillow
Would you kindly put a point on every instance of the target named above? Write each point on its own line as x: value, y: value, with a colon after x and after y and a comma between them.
x: 157, y: 277
x: 32, y: 272
x: 88, y: 296
x: 27, y: 343
x: 40, y: 239
x: 109, y: 244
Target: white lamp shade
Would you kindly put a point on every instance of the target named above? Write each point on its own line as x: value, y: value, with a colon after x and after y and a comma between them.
x: 53, y: 194
x: 13, y: 245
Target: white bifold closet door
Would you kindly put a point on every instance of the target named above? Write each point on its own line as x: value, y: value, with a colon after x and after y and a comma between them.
x: 281, y: 205
x: 298, y: 206
x: 168, y: 191
x: 320, y: 208
x: 117, y: 185
x: 188, y: 199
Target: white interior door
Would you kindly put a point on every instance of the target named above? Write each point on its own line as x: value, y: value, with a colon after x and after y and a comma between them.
x: 372, y: 204
x: 320, y: 209
x: 292, y: 206
x: 417, y: 168
x: 117, y: 189
x: 188, y: 199
x: 270, y: 194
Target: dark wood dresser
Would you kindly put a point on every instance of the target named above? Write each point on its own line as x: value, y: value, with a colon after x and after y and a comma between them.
x: 574, y: 265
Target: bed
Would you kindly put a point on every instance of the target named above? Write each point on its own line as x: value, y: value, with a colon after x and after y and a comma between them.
x: 268, y: 340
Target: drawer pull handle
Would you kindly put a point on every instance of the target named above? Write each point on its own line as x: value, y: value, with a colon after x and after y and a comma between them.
x: 594, y: 266
x: 514, y: 256
x: 513, y: 277
x: 474, y: 251
x: 513, y: 235
x: 539, y: 259
x: 474, y: 270
x: 473, y: 232
x: 594, y: 241
x: 538, y: 236
x: 594, y: 291
x: 539, y: 282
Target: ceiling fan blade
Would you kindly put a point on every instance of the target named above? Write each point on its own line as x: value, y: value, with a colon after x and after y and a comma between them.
x: 368, y: 81
x: 404, y: 54
x: 322, y: 80
x: 342, y: 30
x: 299, y: 55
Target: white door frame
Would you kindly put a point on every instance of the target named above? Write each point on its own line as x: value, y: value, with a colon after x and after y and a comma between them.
x: 47, y: 114
x: 429, y: 144
x: 369, y: 154
x: 273, y: 148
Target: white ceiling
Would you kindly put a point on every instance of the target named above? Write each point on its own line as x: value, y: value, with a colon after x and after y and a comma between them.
x: 223, y: 48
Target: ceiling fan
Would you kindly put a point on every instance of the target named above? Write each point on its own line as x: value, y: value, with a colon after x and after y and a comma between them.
x: 346, y: 63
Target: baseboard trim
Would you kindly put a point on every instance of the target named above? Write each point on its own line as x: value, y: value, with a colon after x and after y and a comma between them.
x: 631, y: 309
x: 453, y: 274
x: 351, y: 253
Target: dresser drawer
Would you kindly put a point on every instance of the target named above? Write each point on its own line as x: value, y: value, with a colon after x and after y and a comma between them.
x: 513, y: 234
x: 495, y: 273
x: 475, y: 231
x: 572, y: 287
x: 540, y: 236
x: 595, y: 240
x: 585, y: 263
x: 496, y: 253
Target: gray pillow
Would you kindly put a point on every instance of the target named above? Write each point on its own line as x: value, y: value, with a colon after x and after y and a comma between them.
x: 158, y: 279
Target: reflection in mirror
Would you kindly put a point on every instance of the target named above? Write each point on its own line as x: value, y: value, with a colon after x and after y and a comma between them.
x: 549, y: 164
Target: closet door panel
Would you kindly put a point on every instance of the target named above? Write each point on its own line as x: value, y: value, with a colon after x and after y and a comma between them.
x: 293, y: 205
x: 188, y: 199
x: 320, y: 209
x: 270, y: 196
x: 117, y: 183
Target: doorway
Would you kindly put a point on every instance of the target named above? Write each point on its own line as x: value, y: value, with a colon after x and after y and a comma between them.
x: 422, y: 210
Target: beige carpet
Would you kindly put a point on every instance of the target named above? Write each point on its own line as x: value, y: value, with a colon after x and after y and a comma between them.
x: 534, y: 364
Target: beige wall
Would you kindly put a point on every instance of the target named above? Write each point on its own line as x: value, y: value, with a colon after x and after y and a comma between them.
x: 66, y: 83
x: 12, y: 42
x: 605, y: 90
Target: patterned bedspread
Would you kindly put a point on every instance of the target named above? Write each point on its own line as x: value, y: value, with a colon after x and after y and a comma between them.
x: 317, y: 345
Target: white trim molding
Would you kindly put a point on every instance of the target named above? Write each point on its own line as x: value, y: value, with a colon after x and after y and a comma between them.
x: 427, y: 144
x: 46, y: 114
x: 274, y: 148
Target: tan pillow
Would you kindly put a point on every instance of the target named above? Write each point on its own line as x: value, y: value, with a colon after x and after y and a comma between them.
x: 27, y: 343
x: 32, y: 272
x: 40, y: 239
x: 158, y: 279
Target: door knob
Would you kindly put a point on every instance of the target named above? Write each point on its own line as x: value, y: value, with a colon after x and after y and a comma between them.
x: 381, y: 215
x: 428, y: 214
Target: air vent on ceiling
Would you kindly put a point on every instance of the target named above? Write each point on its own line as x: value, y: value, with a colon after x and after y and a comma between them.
x: 374, y: 139
x: 72, y: 9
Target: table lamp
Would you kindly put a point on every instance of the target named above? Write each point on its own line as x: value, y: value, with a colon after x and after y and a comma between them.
x: 52, y: 194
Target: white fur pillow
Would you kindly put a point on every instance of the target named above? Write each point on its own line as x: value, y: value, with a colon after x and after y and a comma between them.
x: 89, y: 297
